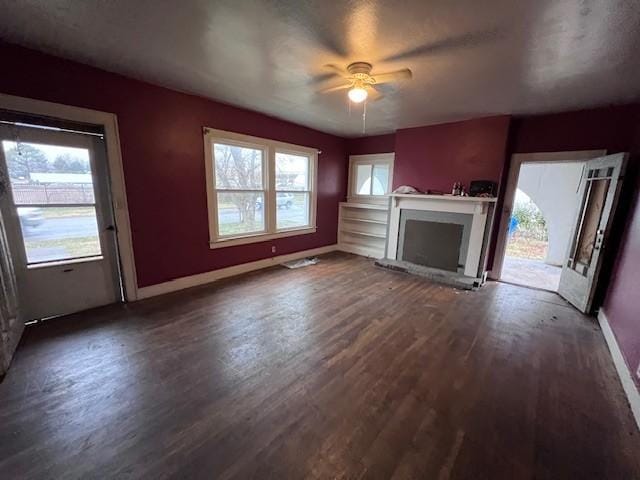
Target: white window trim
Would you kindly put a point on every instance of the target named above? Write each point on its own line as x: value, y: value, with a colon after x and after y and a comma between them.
x: 371, y: 159
x: 269, y: 147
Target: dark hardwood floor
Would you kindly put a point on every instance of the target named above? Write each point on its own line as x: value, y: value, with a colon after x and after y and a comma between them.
x: 338, y: 370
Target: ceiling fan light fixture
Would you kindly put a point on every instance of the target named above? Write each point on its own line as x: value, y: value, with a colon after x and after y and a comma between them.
x: 357, y: 94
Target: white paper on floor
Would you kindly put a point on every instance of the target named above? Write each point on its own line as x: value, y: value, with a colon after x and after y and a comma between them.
x: 305, y: 262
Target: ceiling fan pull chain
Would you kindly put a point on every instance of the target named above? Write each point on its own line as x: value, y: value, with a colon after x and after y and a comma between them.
x: 364, y: 117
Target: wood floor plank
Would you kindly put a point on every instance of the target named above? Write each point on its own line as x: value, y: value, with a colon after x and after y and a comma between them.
x: 338, y: 370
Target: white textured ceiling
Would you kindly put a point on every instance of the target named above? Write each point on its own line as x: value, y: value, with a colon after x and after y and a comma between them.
x: 470, y: 58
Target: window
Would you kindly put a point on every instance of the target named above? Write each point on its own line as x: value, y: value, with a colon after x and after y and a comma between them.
x: 370, y: 175
x: 293, y: 190
x: 240, y: 189
x: 52, y: 190
x: 257, y: 189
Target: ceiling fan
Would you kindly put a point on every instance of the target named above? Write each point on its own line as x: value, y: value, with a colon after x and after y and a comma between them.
x: 361, y: 83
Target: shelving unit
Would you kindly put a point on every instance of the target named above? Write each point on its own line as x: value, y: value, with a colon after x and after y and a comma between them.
x: 363, y: 228
x: 363, y: 220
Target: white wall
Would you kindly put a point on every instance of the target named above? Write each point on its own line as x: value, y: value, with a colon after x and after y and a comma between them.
x: 553, y: 187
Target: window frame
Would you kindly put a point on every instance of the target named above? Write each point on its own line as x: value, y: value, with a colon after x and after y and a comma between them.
x: 216, y: 190
x: 310, y: 187
x: 373, y: 160
x: 269, y: 148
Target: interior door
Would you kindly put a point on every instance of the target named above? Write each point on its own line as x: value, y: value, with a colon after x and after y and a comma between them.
x: 599, y: 191
x: 59, y: 221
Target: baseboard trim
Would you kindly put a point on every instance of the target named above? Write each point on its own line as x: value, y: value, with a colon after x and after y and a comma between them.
x: 626, y: 378
x: 208, y: 277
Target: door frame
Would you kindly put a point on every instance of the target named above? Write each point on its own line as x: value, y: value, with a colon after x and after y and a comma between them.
x: 109, y: 122
x: 517, y: 159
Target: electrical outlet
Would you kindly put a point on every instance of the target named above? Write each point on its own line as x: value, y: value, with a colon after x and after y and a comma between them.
x: 273, y: 249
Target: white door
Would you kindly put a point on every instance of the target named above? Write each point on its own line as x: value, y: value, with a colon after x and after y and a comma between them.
x: 11, y: 326
x: 599, y: 191
x: 59, y: 221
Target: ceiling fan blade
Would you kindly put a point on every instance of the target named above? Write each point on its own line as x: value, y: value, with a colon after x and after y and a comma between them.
x: 323, y: 77
x: 395, y: 76
x: 332, y: 72
x: 466, y: 40
x: 336, y: 88
x: 312, y: 25
x: 336, y: 69
x: 373, y: 95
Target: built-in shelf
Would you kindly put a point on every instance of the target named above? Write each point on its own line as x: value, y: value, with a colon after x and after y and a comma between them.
x: 360, y: 249
x: 364, y: 234
x: 364, y: 220
x: 363, y: 228
x: 370, y: 206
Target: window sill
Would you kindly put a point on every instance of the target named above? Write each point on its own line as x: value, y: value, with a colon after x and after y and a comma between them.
x: 260, y: 237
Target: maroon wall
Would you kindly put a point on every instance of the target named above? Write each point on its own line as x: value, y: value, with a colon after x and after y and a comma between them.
x: 613, y: 128
x: 163, y: 157
x: 436, y: 156
x: 621, y: 303
x: 375, y: 144
x: 616, y: 129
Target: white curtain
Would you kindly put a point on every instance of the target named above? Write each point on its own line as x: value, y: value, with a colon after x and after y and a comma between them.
x: 10, y: 326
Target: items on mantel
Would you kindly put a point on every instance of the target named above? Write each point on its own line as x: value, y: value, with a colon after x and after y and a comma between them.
x: 477, y: 188
x: 406, y: 189
x: 458, y: 190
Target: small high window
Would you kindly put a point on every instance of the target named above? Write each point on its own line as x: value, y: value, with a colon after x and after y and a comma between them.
x: 370, y: 175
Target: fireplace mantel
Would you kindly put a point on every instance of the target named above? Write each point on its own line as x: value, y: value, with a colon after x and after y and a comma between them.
x: 480, y: 208
x: 443, y: 198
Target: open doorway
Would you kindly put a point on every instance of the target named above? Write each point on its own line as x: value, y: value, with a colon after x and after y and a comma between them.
x: 542, y: 217
x: 533, y: 198
x: 598, y: 191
